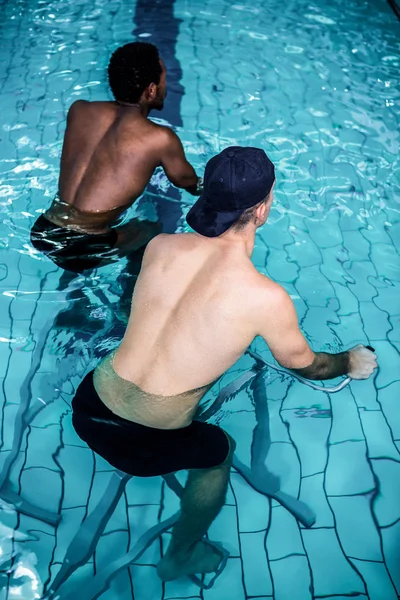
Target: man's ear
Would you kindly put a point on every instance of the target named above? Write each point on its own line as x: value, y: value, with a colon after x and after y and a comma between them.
x: 152, y: 91
x: 260, y: 211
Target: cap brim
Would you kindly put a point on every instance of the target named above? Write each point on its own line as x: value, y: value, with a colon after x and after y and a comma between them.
x: 208, y: 222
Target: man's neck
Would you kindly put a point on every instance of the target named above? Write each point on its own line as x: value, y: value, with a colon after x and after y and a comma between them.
x: 245, y: 238
x: 143, y: 109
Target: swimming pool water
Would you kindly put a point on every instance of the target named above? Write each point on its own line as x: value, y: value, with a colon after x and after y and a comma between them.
x: 317, y: 86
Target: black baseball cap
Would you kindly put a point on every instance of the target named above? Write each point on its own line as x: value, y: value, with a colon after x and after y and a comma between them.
x: 234, y: 180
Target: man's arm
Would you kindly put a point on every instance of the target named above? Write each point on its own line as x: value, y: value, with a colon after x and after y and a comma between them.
x: 281, y: 331
x: 178, y: 170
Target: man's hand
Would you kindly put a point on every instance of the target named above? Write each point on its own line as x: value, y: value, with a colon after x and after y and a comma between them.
x: 362, y: 362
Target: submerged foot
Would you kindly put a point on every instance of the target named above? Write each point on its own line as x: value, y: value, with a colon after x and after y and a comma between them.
x: 202, y: 559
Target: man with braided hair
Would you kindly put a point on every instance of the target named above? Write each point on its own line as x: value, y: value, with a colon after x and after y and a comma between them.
x: 110, y: 152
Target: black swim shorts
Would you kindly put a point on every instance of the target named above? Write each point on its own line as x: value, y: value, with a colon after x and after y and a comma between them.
x: 69, y: 249
x: 144, y: 451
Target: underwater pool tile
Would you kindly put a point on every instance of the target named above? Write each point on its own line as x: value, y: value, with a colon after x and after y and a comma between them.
x: 346, y: 424
x: 181, y: 588
x: 20, y: 363
x: 378, y: 436
x: 253, y: 508
x: 348, y: 472
x: 314, y: 287
x: 41, y: 487
x: 42, y: 446
x: 146, y: 584
x: 277, y: 235
x: 302, y: 397
x: 386, y: 254
x: 229, y: 583
x: 107, y: 486
x: 375, y: 575
x: 259, y: 256
x: 355, y: 527
x: 209, y: 116
x: 77, y: 464
x: 101, y: 465
x: 70, y: 522
x: 13, y: 479
x: 348, y: 301
x: 42, y: 543
x: 332, y: 573
x: 283, y: 537
x: 376, y: 322
x: 280, y: 268
x: 359, y: 272
x: 309, y: 435
x: 69, y: 435
x: 5, y: 308
x: 291, y: 577
x: 312, y: 493
x: 22, y: 310
x: 282, y: 460
x: 389, y: 400
x: 257, y: 577
x: 140, y: 519
x: 120, y: 587
x: 386, y: 506
x: 170, y: 503
x: 356, y: 245
x: 377, y: 231
x: 388, y: 357
x: 351, y: 330
x: 230, y: 499
x: 277, y: 428
x: 366, y: 395
x: 391, y: 549
x: 7, y: 151
x: 111, y: 545
x: 10, y: 412
x: 394, y: 334
x: 325, y: 316
x: 43, y: 322
x: 310, y: 254
x: 388, y: 297
x: 78, y: 580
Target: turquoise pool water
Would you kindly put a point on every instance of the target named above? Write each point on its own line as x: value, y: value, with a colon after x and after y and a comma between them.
x: 317, y: 86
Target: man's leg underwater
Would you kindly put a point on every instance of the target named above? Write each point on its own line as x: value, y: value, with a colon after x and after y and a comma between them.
x: 202, y: 499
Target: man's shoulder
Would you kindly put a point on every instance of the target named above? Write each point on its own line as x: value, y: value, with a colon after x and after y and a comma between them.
x: 157, y: 242
x: 177, y: 241
x: 81, y: 107
x: 164, y: 245
x: 267, y: 290
x: 76, y: 107
x: 163, y: 133
x: 170, y: 239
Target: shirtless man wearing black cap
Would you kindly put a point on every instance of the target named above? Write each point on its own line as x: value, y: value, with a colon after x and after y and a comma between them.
x: 199, y: 302
x: 110, y: 152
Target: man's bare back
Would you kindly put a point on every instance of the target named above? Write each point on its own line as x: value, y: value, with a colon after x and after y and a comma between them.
x: 191, y: 319
x: 110, y: 152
